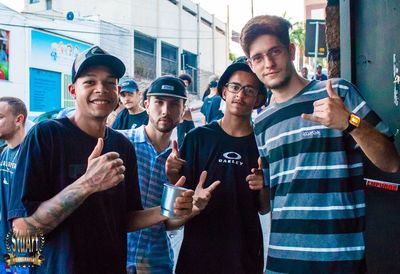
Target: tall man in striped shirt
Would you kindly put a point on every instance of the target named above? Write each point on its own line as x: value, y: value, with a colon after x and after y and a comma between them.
x: 149, y: 250
x: 311, y: 142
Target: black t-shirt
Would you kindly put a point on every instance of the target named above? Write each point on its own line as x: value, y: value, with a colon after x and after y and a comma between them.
x: 124, y: 120
x: 93, y: 238
x: 226, y: 236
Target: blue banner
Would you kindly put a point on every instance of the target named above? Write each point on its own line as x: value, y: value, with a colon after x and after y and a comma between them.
x: 45, y: 90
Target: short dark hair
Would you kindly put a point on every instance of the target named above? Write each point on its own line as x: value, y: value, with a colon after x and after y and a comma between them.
x: 17, y: 106
x: 264, y: 24
x: 186, y: 77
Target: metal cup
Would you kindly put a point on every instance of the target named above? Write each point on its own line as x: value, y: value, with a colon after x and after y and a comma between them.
x: 170, y: 193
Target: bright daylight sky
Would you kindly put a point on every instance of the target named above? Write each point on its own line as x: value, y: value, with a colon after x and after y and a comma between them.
x: 239, y: 11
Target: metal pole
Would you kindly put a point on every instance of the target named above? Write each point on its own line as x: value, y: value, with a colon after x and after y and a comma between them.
x: 252, y: 8
x: 316, y: 47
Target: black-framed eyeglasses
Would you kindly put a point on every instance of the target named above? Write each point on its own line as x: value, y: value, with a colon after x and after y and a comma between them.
x: 236, y: 88
x: 271, y: 54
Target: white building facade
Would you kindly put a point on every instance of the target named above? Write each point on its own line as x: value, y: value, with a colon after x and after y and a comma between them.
x: 152, y: 37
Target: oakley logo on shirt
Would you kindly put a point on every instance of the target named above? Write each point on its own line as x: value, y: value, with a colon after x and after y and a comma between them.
x: 231, y: 157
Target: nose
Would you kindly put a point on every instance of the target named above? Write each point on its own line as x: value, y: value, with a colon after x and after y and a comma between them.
x: 241, y: 93
x: 100, y: 88
x: 268, y: 61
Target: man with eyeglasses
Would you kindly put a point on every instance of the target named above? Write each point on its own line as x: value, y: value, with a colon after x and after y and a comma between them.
x: 226, y: 236
x: 310, y: 143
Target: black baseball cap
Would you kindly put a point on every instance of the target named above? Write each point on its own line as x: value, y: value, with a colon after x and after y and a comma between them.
x: 96, y: 56
x: 170, y: 86
x: 240, y: 66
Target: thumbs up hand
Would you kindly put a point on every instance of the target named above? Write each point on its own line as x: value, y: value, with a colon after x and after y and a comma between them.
x: 256, y: 178
x: 174, y: 163
x: 103, y: 171
x: 330, y: 111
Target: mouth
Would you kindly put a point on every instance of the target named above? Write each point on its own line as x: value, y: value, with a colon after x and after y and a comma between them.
x: 271, y: 73
x: 100, y: 102
x: 165, y: 120
x: 238, y: 102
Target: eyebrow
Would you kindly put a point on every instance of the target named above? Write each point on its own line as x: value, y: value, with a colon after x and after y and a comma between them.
x: 241, y: 84
x: 95, y: 75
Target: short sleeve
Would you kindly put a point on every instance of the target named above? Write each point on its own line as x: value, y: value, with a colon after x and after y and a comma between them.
x: 132, y: 181
x: 356, y: 104
x: 31, y: 185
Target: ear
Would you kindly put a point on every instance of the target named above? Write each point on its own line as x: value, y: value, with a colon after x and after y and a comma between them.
x: 72, y: 90
x: 20, y: 119
x: 250, y: 64
x: 292, y: 51
x: 224, y: 93
x: 146, y: 104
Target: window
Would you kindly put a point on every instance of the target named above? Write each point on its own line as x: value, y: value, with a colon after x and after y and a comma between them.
x: 189, y: 66
x: 169, y: 59
x: 49, y: 5
x: 145, y: 56
x: 34, y: 1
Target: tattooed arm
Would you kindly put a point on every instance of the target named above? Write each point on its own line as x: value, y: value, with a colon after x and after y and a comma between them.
x: 103, y: 172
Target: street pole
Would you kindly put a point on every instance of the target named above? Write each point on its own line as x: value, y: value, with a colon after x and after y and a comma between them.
x: 252, y: 8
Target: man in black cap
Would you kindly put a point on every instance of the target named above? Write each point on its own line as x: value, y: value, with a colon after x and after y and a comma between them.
x: 149, y: 250
x: 133, y: 115
x: 77, y: 181
x: 227, y: 233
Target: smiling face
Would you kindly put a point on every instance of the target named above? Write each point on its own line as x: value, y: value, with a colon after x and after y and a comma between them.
x: 275, y: 67
x: 240, y: 104
x: 96, y: 93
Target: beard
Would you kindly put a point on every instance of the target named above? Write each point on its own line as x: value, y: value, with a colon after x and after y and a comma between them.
x: 163, y: 128
x: 281, y: 84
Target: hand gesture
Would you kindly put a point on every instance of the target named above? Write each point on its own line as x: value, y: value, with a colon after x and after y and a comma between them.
x: 103, y: 171
x: 183, y: 204
x: 202, y: 195
x: 174, y: 164
x: 331, y: 111
x: 256, y: 178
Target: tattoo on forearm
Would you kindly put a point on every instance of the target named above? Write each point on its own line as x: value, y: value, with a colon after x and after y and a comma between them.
x: 52, y: 212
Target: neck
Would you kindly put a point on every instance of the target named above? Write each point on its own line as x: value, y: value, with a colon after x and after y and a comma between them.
x: 236, y: 126
x: 213, y: 91
x: 93, y: 127
x: 135, y: 110
x: 159, y: 140
x: 295, y: 85
x: 17, y: 138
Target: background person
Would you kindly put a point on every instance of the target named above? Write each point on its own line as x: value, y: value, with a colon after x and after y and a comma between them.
x: 212, y: 107
x: 13, y: 115
x: 187, y: 123
x: 133, y: 115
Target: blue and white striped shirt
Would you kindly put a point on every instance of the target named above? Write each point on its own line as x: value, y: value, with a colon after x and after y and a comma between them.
x: 315, y: 175
x: 149, y: 250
